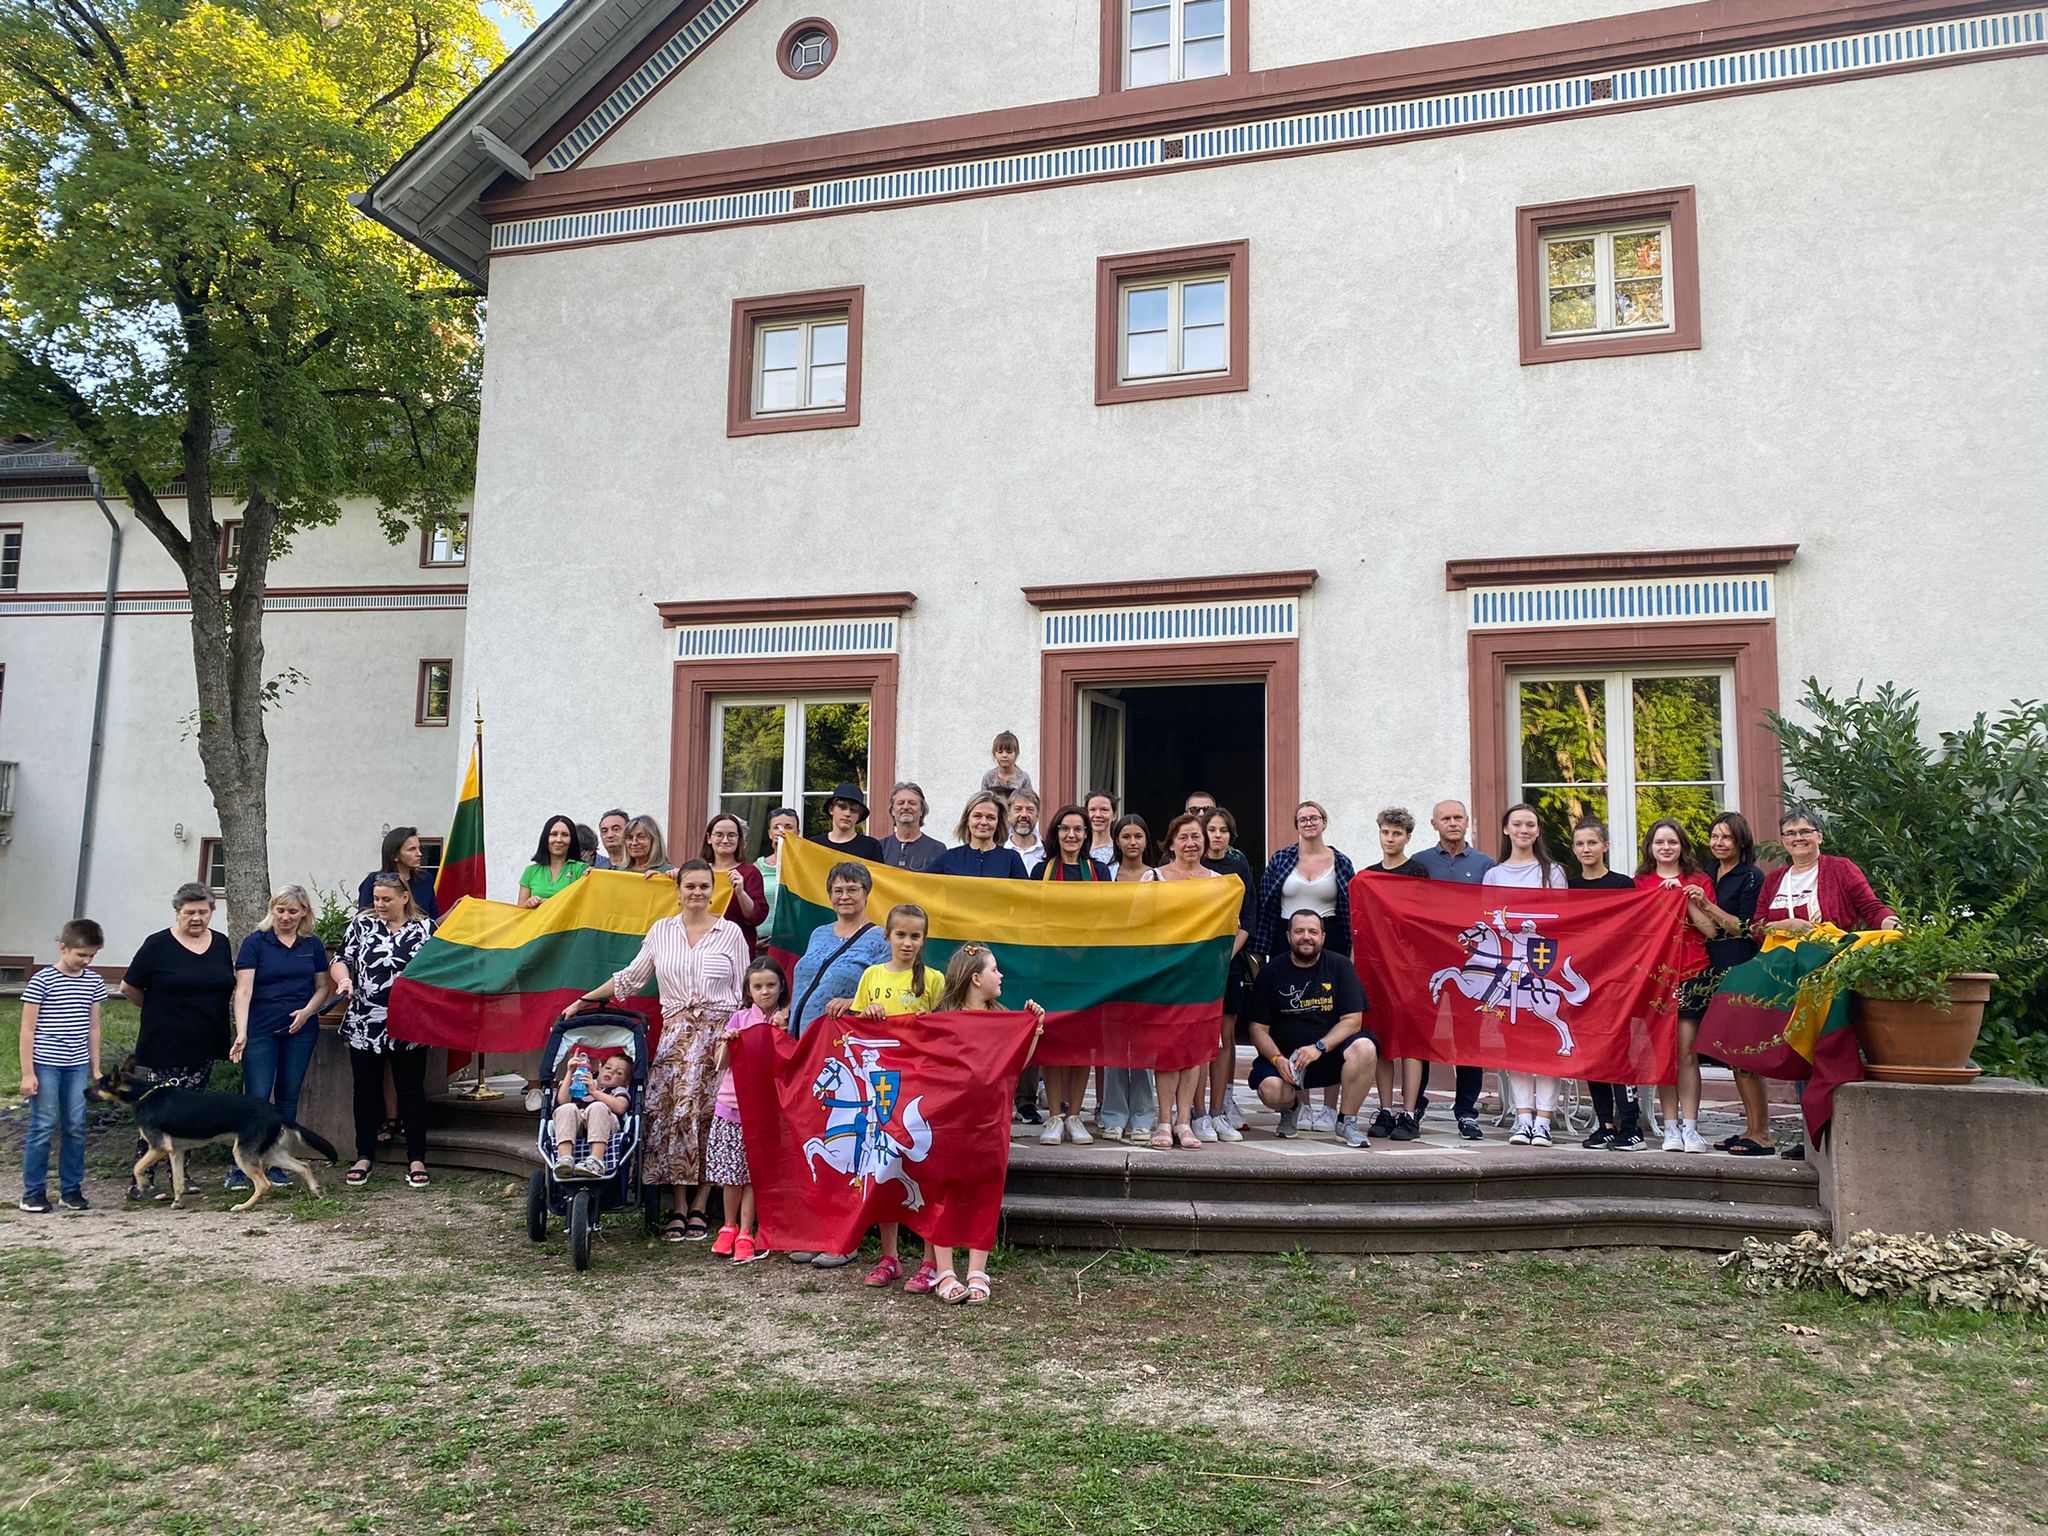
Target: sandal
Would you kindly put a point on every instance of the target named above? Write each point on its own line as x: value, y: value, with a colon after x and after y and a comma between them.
x: 390, y: 1130
x: 1727, y: 1143
x: 357, y: 1176
x: 696, y: 1228
x: 922, y: 1281
x: 886, y: 1272
x: 675, y: 1230
x: 1185, y: 1135
x: 949, y: 1289
x: 1743, y: 1146
x: 977, y: 1287
x: 418, y: 1178
x: 1162, y: 1138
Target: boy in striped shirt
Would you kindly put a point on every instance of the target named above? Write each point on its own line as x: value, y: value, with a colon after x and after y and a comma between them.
x: 60, y: 1055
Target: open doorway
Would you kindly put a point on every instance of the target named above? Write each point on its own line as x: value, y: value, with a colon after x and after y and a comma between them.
x: 1150, y: 743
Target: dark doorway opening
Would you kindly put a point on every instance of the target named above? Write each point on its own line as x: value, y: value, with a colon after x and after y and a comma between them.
x: 1178, y: 737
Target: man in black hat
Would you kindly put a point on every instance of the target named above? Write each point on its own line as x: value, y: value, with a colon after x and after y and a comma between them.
x: 848, y: 811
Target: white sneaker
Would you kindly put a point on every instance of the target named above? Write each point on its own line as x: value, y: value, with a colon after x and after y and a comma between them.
x: 1205, y: 1128
x: 1690, y: 1139
x: 1232, y: 1115
x: 1323, y: 1118
x: 1673, y: 1141
x: 1055, y: 1129
x: 1077, y: 1132
x: 1225, y: 1131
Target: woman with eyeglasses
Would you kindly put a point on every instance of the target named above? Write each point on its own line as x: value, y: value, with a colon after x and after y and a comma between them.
x: 1307, y: 875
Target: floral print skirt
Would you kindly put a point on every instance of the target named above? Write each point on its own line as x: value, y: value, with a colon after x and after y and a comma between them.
x: 681, y: 1088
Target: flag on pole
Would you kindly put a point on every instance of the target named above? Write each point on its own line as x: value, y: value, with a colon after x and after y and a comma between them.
x: 493, y: 976
x: 1130, y: 975
x: 1557, y: 983
x: 865, y: 1120
x: 462, y: 853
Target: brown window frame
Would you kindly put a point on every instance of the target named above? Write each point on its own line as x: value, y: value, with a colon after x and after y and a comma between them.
x: 207, y: 847
x: 20, y: 543
x: 1677, y: 205
x: 1239, y: 43
x: 419, y: 709
x: 747, y: 318
x: 228, y: 526
x: 427, y: 560
x: 790, y: 35
x: 1233, y: 258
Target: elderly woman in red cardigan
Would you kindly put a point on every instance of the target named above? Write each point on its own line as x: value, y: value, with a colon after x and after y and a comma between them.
x: 1816, y: 887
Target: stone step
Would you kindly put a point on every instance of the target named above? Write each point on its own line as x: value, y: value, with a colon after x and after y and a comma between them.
x: 1235, y: 1226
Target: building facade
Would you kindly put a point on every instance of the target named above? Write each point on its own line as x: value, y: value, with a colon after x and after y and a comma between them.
x: 365, y: 636
x: 1378, y: 403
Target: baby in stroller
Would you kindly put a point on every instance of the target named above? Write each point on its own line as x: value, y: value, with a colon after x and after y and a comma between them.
x: 590, y: 1103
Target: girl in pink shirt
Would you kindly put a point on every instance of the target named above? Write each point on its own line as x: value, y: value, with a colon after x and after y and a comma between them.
x: 725, y: 1150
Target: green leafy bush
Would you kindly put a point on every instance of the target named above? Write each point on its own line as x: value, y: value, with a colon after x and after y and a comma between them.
x: 330, y: 923
x: 1955, y: 827
x: 1931, y: 947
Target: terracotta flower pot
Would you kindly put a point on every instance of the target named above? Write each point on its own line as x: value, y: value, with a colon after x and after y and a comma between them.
x: 1923, y: 1042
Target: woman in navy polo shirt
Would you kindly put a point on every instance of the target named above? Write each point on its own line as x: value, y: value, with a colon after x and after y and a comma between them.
x: 280, y: 987
x: 401, y: 855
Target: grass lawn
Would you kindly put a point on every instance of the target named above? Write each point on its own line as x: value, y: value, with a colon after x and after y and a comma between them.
x: 402, y: 1361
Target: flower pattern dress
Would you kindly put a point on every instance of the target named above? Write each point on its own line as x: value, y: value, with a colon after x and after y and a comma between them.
x: 374, y: 955
x: 700, y: 990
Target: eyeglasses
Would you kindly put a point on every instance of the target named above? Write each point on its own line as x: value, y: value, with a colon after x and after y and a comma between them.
x: 1309, y: 821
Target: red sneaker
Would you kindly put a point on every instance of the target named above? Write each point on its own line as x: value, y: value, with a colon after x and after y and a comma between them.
x: 722, y: 1245
x: 926, y: 1277
x: 745, y: 1250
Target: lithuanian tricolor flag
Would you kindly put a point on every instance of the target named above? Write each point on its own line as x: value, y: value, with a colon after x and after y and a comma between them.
x: 1130, y: 975
x: 494, y: 976
x: 1767, y: 1018
x: 462, y: 854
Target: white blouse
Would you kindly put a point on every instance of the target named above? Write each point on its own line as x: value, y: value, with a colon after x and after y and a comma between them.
x: 705, y: 974
x: 1299, y: 894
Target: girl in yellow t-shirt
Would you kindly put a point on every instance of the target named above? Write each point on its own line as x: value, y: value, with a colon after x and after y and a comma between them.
x: 901, y: 984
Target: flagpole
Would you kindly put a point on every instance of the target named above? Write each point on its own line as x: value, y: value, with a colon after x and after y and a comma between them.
x: 479, y: 1090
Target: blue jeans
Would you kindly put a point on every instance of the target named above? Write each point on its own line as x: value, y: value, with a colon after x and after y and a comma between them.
x: 274, y: 1066
x: 60, y: 1094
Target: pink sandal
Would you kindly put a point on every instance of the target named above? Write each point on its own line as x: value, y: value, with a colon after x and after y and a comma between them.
x: 886, y: 1272
x: 926, y: 1277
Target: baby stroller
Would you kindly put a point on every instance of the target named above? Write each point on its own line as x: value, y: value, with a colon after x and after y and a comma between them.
x: 583, y: 1200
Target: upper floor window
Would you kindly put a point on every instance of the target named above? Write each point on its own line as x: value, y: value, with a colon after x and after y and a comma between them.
x: 10, y: 557
x: 1172, y: 323
x: 230, y: 546
x: 431, y: 703
x: 795, y: 362
x: 1175, y: 40
x: 1605, y: 277
x: 807, y: 48
x: 445, y: 544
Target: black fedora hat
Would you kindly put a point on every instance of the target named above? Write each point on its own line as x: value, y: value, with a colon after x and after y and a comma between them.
x: 850, y: 793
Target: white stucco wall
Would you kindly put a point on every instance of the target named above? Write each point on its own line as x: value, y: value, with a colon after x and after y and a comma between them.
x: 913, y: 59
x: 346, y: 757
x: 1852, y: 396
x: 1306, y: 31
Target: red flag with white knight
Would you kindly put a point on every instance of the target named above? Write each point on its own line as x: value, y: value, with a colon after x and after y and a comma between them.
x: 868, y: 1120
x: 1558, y: 983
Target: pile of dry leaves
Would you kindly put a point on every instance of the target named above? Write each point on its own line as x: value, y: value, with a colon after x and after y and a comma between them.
x: 1996, y: 1273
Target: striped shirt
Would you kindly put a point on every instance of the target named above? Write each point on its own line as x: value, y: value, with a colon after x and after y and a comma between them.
x: 64, y: 1006
x: 706, y: 973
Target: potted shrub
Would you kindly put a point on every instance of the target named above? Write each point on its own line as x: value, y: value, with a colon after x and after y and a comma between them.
x: 1917, y: 1001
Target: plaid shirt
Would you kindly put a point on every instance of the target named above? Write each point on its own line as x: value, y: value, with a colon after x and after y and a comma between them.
x: 1266, y: 934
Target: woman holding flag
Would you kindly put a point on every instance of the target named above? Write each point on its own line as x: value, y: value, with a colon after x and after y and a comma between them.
x: 1668, y: 863
x: 1526, y: 861
x: 698, y: 960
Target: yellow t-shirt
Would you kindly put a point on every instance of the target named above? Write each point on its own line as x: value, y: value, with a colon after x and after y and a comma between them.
x: 892, y: 990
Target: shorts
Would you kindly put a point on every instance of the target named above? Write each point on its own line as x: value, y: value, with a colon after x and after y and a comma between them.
x: 1322, y: 1073
x: 725, y: 1154
x: 1695, y: 992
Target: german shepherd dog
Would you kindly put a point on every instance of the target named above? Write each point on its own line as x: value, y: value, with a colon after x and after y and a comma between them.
x: 173, y: 1120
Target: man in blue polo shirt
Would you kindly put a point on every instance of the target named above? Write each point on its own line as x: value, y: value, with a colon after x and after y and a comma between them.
x: 1455, y: 859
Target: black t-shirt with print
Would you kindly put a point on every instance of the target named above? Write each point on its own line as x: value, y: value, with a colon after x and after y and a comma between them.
x: 1298, y: 1003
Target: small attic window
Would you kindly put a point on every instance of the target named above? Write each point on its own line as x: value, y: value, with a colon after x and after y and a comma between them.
x: 807, y: 48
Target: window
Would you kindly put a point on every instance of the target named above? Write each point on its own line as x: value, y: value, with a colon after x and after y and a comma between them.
x: 445, y: 544
x: 1627, y: 747
x: 10, y: 557
x: 807, y: 48
x: 230, y: 545
x: 795, y: 363
x: 437, y: 679
x: 1172, y: 323
x: 1156, y: 42
x: 213, y: 866
x: 1608, y: 277
x: 790, y: 750
x: 430, y: 857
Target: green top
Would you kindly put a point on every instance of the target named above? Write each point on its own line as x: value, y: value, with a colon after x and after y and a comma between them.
x: 540, y: 883
x: 771, y: 882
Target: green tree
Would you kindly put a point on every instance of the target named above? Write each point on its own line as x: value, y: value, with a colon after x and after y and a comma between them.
x: 186, y: 293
